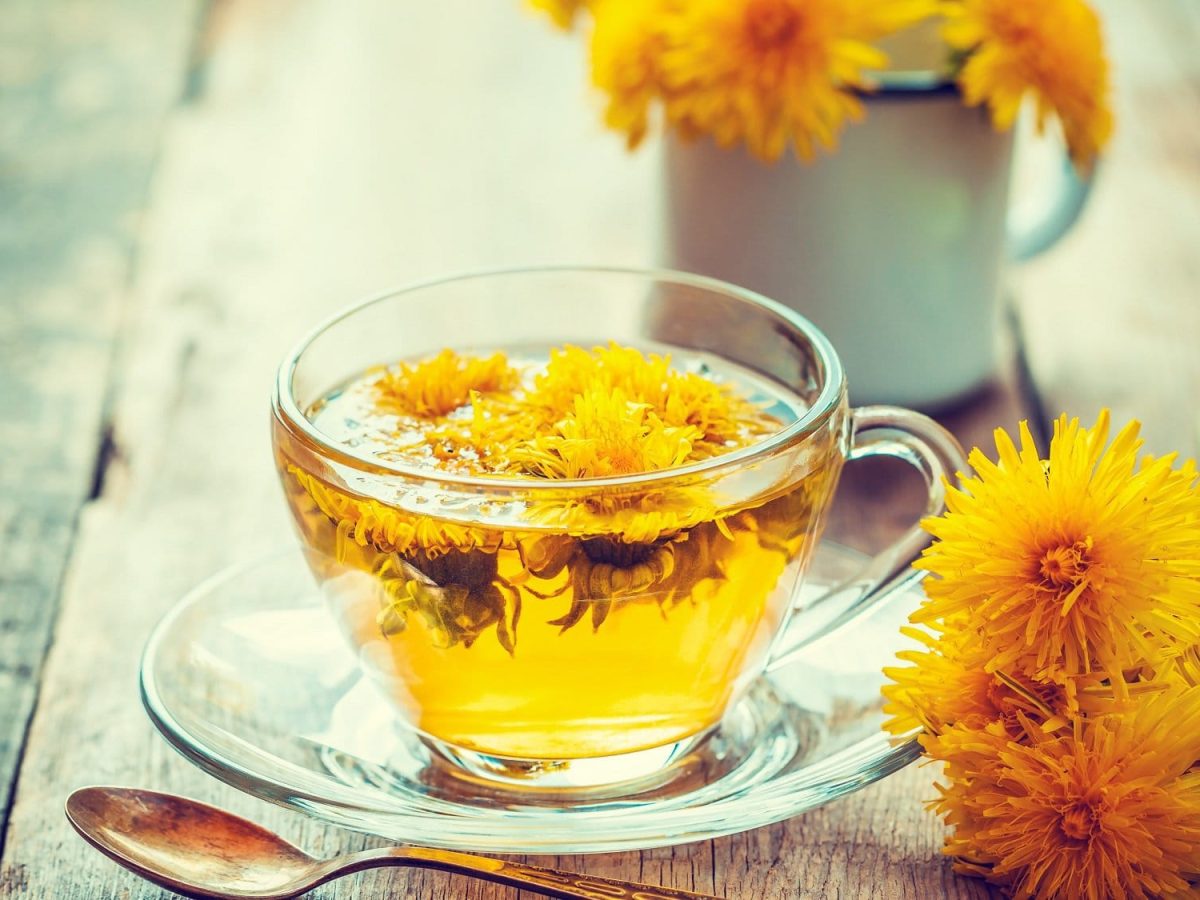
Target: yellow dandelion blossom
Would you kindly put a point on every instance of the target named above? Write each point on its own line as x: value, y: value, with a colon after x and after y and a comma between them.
x: 572, y: 371
x: 440, y: 385
x: 471, y: 414
x: 946, y: 683
x: 1083, y: 563
x: 1049, y: 50
x: 561, y: 12
x: 627, y: 42
x: 606, y: 434
x: 636, y: 518
x: 679, y: 399
x: 723, y: 419
x: 368, y: 523
x: 1112, y: 810
x: 772, y: 72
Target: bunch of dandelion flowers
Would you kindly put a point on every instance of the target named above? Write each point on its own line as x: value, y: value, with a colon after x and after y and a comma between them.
x: 1052, y: 681
x: 769, y: 74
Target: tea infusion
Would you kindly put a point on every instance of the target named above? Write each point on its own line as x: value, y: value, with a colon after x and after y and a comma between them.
x: 585, y: 623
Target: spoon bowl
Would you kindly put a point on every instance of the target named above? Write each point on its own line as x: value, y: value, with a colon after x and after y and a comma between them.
x: 200, y: 851
x: 182, y: 844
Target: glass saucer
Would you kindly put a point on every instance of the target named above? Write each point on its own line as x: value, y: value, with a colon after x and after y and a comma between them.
x: 248, y: 678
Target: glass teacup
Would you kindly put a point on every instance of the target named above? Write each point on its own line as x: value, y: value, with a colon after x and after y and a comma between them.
x: 589, y: 631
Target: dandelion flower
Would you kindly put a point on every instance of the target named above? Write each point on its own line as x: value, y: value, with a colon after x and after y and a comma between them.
x: 771, y: 73
x: 440, y: 385
x: 946, y: 684
x: 679, y: 399
x: 363, y: 522
x: 606, y: 434
x: 1112, y: 810
x: 1082, y: 563
x: 627, y: 43
x: 1050, y: 50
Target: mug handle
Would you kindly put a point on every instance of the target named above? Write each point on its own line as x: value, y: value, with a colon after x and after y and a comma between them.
x: 931, y: 450
x: 1034, y: 228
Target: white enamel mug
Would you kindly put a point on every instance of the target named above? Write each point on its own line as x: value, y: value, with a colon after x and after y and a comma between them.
x: 894, y: 244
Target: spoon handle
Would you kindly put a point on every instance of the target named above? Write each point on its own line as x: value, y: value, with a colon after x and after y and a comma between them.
x: 549, y: 882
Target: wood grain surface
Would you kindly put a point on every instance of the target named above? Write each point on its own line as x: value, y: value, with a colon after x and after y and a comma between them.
x: 316, y: 151
x: 84, y: 92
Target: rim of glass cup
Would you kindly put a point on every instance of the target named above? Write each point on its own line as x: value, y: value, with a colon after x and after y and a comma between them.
x: 284, y: 402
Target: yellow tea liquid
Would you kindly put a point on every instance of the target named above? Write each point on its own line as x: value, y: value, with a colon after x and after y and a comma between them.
x: 510, y: 629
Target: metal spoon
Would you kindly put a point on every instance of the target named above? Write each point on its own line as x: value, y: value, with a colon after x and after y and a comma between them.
x: 200, y: 851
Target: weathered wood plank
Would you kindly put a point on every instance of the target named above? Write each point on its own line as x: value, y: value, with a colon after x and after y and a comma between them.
x: 269, y: 213
x: 1113, y: 318
x: 84, y: 88
x: 328, y: 148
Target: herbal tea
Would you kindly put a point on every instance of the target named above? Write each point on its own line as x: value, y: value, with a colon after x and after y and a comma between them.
x: 543, y: 624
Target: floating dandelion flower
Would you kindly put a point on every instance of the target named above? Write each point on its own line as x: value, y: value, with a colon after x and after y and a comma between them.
x: 439, y: 386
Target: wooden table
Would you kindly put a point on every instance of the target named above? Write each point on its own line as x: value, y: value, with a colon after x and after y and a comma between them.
x: 184, y: 186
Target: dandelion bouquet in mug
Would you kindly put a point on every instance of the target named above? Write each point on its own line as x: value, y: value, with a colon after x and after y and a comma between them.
x: 774, y: 74
x: 1057, y: 677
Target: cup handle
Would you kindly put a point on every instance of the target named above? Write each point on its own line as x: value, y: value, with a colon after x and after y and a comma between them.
x: 1036, y: 227
x: 933, y: 451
